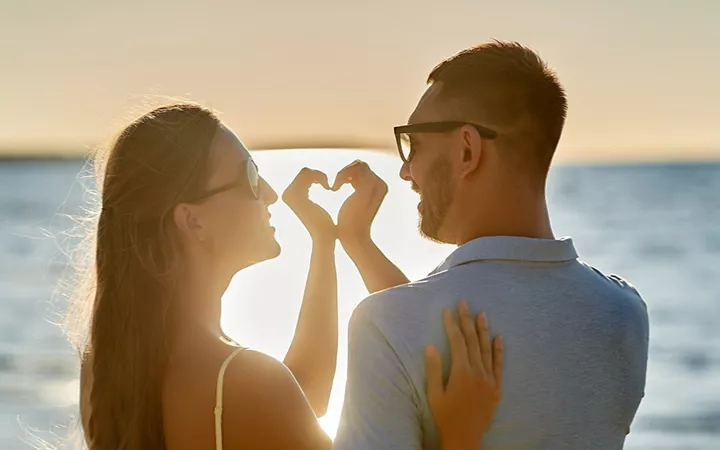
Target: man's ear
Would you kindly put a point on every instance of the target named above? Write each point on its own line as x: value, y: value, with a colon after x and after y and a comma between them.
x: 186, y: 220
x: 471, y: 151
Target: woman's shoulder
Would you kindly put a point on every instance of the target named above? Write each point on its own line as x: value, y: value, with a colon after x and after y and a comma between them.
x: 252, y: 373
x: 248, y: 374
x: 261, y: 396
x: 190, y: 393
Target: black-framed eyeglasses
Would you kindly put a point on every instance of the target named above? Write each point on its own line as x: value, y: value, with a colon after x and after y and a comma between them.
x: 251, y: 181
x: 403, y: 132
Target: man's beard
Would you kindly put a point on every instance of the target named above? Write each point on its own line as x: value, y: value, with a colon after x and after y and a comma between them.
x: 436, y: 199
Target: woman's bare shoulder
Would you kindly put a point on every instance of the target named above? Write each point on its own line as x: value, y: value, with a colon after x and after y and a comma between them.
x: 258, y: 381
x: 261, y: 397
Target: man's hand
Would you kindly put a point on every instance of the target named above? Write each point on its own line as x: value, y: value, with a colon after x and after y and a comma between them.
x: 358, y: 212
x: 317, y: 221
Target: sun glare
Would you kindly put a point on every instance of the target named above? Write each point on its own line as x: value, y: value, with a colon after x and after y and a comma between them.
x: 262, y: 304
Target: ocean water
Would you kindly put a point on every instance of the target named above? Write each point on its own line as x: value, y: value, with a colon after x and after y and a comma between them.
x: 656, y: 225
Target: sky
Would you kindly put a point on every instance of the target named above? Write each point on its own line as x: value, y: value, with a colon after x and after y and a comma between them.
x: 641, y: 76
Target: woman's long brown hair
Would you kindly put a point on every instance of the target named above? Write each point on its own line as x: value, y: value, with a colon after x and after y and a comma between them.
x: 156, y: 162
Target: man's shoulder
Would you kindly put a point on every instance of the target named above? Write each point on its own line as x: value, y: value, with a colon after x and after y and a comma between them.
x: 614, y: 280
x: 375, y: 308
x: 393, y: 301
x: 621, y: 289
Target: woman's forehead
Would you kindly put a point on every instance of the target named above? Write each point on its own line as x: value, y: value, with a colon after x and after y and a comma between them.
x: 228, y: 154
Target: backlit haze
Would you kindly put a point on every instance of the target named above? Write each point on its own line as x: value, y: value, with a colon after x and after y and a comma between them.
x: 641, y: 76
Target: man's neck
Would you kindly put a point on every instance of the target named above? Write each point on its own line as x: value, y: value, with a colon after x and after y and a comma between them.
x: 515, y: 213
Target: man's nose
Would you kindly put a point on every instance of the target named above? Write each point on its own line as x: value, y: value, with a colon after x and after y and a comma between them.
x: 405, y: 172
x: 267, y: 193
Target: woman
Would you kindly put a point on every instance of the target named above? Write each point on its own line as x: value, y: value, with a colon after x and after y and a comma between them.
x: 183, y: 210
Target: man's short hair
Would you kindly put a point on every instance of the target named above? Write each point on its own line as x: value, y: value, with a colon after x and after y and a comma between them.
x: 506, y: 86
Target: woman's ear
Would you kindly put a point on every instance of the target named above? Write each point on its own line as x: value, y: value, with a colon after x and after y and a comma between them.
x: 187, y: 220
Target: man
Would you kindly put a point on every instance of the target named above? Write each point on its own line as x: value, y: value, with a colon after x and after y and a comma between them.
x: 477, y: 149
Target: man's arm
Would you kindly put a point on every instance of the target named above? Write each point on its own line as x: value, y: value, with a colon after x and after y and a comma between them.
x: 355, y: 221
x: 380, y: 410
x: 376, y: 269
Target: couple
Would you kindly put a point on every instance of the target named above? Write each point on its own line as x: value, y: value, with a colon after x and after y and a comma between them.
x: 184, y: 209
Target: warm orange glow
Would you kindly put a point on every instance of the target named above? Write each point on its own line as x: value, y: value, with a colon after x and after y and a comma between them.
x: 339, y: 75
x: 261, y: 306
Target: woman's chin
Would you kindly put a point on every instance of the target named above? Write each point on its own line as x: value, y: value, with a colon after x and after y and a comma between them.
x: 271, y: 250
x: 267, y: 251
x: 276, y: 249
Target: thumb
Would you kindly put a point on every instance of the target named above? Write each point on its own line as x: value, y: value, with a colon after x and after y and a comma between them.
x: 433, y: 371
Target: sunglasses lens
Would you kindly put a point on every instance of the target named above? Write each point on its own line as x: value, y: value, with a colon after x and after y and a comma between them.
x: 253, y: 178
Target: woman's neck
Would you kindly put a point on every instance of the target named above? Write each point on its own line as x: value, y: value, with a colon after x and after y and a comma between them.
x: 197, y: 304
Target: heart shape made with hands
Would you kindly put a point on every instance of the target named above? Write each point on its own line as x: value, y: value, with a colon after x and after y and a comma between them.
x: 356, y: 175
x: 356, y: 210
x: 330, y: 198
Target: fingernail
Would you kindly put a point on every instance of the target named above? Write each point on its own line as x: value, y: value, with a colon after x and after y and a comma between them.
x: 430, y: 350
x: 463, y: 307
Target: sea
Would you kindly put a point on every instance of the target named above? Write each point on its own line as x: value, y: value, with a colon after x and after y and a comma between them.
x: 657, y: 225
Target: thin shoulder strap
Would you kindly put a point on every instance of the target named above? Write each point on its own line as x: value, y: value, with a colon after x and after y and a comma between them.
x: 219, y: 399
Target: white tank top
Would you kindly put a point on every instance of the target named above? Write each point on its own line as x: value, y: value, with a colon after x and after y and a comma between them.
x: 219, y: 399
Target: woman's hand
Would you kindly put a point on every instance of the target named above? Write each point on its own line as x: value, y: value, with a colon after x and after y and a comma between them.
x: 463, y: 409
x: 317, y: 221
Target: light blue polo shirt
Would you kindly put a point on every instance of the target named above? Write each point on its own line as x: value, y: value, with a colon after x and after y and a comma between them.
x: 576, y: 344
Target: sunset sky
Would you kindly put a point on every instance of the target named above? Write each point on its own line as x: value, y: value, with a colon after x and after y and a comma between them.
x: 641, y: 76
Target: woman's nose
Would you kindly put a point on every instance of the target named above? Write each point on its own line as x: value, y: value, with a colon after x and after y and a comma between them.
x: 267, y: 193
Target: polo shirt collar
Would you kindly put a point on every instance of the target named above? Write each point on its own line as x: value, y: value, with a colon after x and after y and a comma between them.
x: 511, y: 248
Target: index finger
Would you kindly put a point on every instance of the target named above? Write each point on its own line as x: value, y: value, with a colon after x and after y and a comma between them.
x: 300, y: 186
x: 483, y: 334
x: 458, y: 349
x: 312, y: 176
x: 498, y: 355
x: 350, y: 174
x: 471, y: 338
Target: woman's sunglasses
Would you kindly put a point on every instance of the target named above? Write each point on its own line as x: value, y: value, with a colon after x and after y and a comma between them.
x: 251, y: 181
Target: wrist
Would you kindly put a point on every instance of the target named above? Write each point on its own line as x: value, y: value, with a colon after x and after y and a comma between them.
x: 468, y: 444
x: 357, y: 245
x: 357, y: 248
x: 323, y: 241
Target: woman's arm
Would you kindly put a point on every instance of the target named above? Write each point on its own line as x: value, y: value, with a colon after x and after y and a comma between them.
x: 312, y: 356
x: 464, y: 407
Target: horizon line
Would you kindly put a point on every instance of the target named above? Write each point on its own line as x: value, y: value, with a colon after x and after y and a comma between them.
x: 586, y: 155
x: 564, y: 161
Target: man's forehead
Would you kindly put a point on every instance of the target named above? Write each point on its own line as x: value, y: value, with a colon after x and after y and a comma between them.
x: 426, y: 109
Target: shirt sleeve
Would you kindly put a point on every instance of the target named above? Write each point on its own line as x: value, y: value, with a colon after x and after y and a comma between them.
x: 380, y: 409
